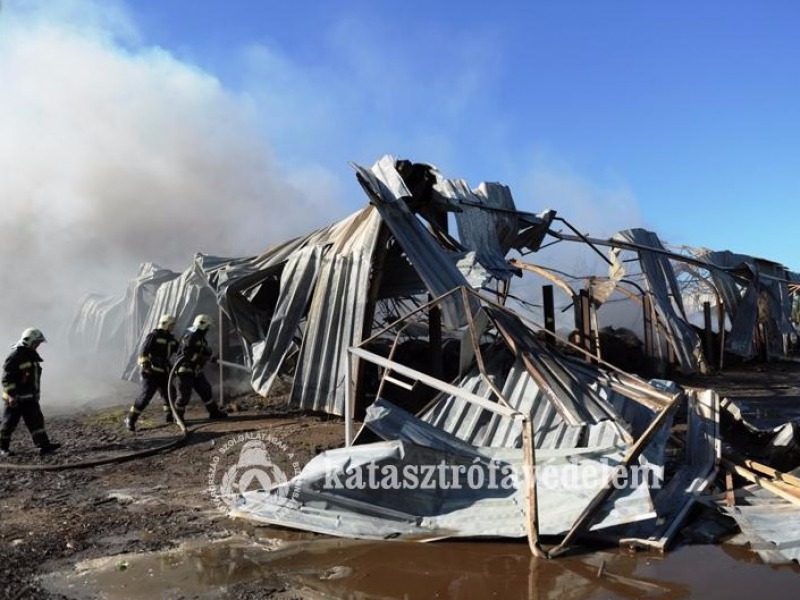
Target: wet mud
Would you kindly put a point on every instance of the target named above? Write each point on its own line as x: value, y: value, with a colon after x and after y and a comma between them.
x: 148, y: 529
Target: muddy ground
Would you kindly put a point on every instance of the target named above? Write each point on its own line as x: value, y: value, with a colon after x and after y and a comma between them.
x: 74, y: 519
x: 53, y: 519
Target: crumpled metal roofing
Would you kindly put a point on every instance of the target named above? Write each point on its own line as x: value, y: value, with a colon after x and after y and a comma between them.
x: 693, y: 479
x: 743, y: 309
x: 183, y: 296
x: 489, y: 233
x: 114, y: 323
x: 664, y: 287
x: 572, y: 486
x: 770, y: 523
x: 434, y: 265
x: 458, y: 510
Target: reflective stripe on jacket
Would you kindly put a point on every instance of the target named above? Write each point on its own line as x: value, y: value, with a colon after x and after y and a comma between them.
x: 22, y: 374
x: 195, y: 351
x: 157, y: 350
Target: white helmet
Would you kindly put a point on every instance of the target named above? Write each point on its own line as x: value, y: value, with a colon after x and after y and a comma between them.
x: 32, y: 336
x: 166, y: 321
x: 202, y: 322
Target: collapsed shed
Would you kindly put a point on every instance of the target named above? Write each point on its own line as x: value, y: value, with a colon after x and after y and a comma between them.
x: 291, y: 311
x: 595, y: 440
x: 399, y: 315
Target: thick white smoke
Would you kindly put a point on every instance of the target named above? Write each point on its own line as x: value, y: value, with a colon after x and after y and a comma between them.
x: 114, y: 153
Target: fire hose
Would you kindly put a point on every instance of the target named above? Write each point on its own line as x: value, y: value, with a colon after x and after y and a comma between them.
x: 171, y: 445
x: 178, y: 419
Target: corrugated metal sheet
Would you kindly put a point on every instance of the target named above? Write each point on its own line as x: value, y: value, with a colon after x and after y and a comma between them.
x: 484, y: 428
x: 435, y: 266
x: 756, y: 276
x: 111, y: 327
x: 100, y: 320
x: 184, y: 296
x: 330, y: 269
x: 703, y: 450
x: 724, y: 283
x: 336, y: 316
x: 334, y: 323
x: 771, y: 525
x: 480, y: 229
x: 298, y: 279
x: 452, y: 508
x: 665, y: 290
x: 577, y: 408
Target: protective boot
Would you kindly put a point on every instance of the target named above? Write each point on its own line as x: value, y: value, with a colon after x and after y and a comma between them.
x: 214, y: 413
x: 130, y: 421
x: 168, y: 418
x: 4, y: 451
x: 180, y: 412
x: 48, y: 448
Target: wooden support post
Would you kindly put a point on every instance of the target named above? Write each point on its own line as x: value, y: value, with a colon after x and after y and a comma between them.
x: 549, y: 312
x: 435, y: 337
x: 647, y: 329
x: 531, y: 507
x: 708, y: 337
x: 730, y: 492
x: 223, y: 354
x: 586, y: 321
x: 721, y: 329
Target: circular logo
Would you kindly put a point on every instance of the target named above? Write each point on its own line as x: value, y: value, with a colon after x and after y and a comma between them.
x: 253, y: 465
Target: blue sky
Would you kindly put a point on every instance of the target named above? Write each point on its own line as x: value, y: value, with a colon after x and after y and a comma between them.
x: 688, y: 109
x: 152, y: 129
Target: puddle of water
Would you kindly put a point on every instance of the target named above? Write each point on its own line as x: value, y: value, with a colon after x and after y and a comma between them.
x: 465, y: 571
x: 349, y: 569
x: 197, y: 570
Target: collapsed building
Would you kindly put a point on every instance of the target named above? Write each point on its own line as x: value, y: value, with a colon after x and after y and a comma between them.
x: 403, y: 317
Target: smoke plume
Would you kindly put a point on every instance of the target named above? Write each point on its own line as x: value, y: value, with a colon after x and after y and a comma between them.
x: 114, y: 153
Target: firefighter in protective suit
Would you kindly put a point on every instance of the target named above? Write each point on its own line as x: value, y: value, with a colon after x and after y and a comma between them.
x: 155, y: 364
x: 193, y: 355
x: 22, y: 372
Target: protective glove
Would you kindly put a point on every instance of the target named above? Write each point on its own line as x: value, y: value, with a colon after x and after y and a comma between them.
x: 214, y: 359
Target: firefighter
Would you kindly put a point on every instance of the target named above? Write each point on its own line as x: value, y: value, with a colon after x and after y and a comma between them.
x: 22, y: 372
x: 154, y: 365
x: 194, y: 354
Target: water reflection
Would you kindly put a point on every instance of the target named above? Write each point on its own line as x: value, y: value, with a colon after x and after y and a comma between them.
x: 359, y: 570
x: 462, y: 570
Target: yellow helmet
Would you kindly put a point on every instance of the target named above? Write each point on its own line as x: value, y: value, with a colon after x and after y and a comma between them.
x: 202, y: 322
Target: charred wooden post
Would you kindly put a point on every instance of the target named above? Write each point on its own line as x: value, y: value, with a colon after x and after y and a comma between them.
x: 647, y: 325
x: 708, y: 337
x: 435, y: 337
x: 379, y: 258
x: 721, y: 329
x: 549, y: 312
x: 585, y: 304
